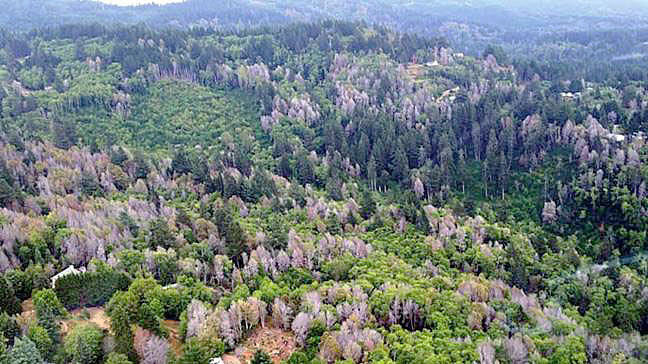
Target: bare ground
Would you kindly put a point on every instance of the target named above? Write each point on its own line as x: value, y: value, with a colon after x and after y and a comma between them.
x: 276, y: 342
x: 174, y: 336
x: 97, y: 316
x: 28, y: 312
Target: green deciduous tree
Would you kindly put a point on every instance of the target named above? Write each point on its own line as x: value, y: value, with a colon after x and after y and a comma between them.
x: 46, y: 303
x: 40, y: 337
x: 49, y: 312
x: 117, y: 358
x: 24, y: 351
x: 122, y: 310
x: 572, y: 351
x: 4, y: 357
x: 201, y: 351
x: 9, y: 328
x: 261, y: 357
x: 83, y: 344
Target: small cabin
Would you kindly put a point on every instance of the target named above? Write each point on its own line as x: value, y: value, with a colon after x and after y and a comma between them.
x: 619, y: 138
x: 67, y: 271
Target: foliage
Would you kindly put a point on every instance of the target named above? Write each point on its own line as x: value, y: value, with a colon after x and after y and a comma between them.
x: 24, y: 351
x: 201, y: 351
x: 40, y: 337
x: 8, y: 301
x: 116, y: 358
x: 3, y: 351
x: 384, y: 197
x: 425, y: 347
x: 9, y: 328
x: 261, y: 357
x: 47, y: 304
x: 83, y: 344
x: 89, y: 288
x: 122, y: 309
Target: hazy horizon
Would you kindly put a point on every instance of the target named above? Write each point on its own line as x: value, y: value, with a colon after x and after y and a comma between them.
x: 139, y: 2
x: 579, y: 6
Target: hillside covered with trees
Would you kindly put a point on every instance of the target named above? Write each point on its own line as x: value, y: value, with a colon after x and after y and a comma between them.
x: 548, y: 30
x: 373, y: 196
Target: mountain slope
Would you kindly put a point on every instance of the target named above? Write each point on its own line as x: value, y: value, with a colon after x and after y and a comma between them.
x: 27, y: 14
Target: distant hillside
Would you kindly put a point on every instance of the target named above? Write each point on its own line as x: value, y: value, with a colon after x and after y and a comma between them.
x: 470, y: 26
x: 28, y: 14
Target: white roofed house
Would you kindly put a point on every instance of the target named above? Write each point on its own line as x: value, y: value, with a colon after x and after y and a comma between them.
x: 67, y: 271
x: 619, y: 138
x: 617, y: 134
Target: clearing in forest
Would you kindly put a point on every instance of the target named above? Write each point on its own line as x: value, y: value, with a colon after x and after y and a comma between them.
x: 95, y: 315
x: 277, y: 343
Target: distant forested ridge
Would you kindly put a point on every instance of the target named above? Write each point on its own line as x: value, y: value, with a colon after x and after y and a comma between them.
x: 560, y: 31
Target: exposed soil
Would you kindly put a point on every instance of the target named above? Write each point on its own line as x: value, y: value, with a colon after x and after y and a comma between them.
x: 277, y: 343
x: 415, y: 71
x: 231, y: 359
x: 174, y: 336
x: 28, y: 312
x: 97, y: 316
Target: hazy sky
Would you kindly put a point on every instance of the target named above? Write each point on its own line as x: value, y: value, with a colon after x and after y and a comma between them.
x: 138, y: 2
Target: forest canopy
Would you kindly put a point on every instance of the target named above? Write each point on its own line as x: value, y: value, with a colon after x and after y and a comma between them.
x: 322, y: 191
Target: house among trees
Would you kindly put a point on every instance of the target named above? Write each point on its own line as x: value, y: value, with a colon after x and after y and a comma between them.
x: 67, y: 271
x: 617, y: 134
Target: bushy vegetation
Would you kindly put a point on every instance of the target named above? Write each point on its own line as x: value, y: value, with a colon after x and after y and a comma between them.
x: 83, y: 345
x: 90, y: 289
x: 379, y: 195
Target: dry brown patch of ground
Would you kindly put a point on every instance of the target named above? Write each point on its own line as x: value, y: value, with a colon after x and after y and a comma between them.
x: 230, y: 359
x: 277, y: 343
x: 174, y: 335
x: 95, y: 315
x: 28, y: 312
x: 415, y: 71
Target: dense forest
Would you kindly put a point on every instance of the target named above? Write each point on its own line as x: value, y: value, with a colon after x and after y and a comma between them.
x: 320, y: 192
x: 547, y: 30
